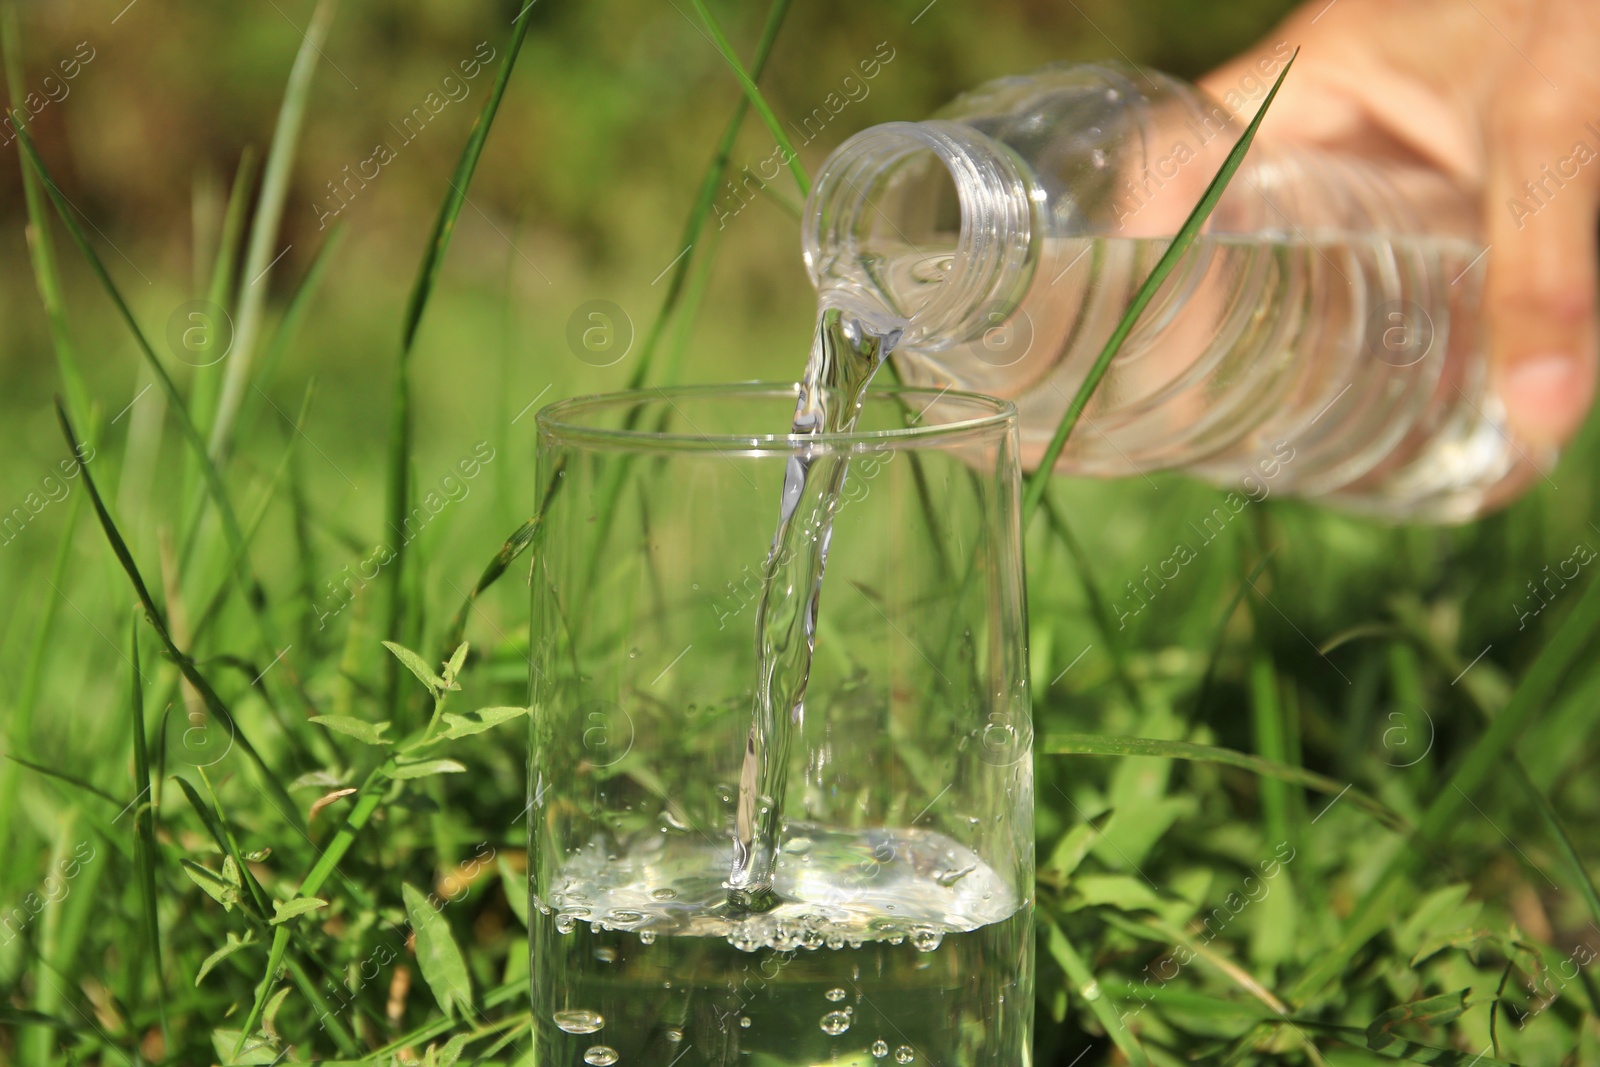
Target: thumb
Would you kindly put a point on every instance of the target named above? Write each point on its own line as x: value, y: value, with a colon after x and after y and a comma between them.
x: 1542, y: 197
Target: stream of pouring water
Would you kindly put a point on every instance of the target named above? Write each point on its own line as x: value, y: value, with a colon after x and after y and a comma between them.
x: 849, y: 347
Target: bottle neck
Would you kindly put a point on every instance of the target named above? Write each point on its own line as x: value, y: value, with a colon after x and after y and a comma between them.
x: 933, y: 221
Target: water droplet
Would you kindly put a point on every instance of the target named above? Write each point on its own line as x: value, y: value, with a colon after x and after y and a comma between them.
x: 950, y: 878
x: 1091, y: 991
x: 674, y: 1036
x: 744, y: 1022
x: 835, y: 994
x: 600, y: 1055
x: 647, y: 937
x: 606, y: 955
x: 633, y: 653
x: 926, y: 938
x: 579, y: 1021
x: 836, y: 941
x: 903, y: 1054
x: 880, y: 1048
x: 835, y: 1022
x: 663, y: 893
x: 1099, y: 159
x: 565, y: 924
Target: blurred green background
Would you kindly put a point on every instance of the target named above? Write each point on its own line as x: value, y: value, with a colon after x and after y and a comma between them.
x: 609, y: 122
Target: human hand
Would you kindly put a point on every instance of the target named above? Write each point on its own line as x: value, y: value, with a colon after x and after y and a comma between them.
x: 1503, y: 95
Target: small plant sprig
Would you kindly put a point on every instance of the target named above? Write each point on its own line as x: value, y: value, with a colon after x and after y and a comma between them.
x: 395, y: 768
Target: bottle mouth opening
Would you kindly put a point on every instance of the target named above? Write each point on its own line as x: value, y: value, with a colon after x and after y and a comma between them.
x: 933, y: 220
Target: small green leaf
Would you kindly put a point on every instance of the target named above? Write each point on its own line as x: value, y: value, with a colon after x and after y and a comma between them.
x: 217, y: 887
x: 230, y: 871
x: 438, y: 957
x: 1121, y: 891
x: 1072, y: 848
x: 448, y: 1054
x: 424, y: 768
x: 516, y: 887
x: 360, y: 729
x: 457, y: 658
x: 251, y: 1050
x: 476, y: 722
x: 1434, y: 1011
x: 284, y: 910
x: 318, y: 780
x: 269, y: 1017
x: 233, y: 944
x: 417, y: 666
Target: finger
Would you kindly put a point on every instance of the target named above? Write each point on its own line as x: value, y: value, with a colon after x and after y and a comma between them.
x: 1543, y: 195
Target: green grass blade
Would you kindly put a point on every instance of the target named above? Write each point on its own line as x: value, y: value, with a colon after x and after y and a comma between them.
x: 515, y: 545
x: 144, y: 841
x: 368, y: 799
x: 213, y: 479
x: 1099, y: 609
x: 20, y: 731
x: 1538, y: 686
x: 694, y: 226
x: 262, y: 251
x: 1215, y: 656
x: 1268, y: 732
x: 71, y: 779
x: 1100, y: 745
x: 41, y: 249
x: 214, y: 704
x: 1519, y: 772
x: 219, y: 290
x: 753, y: 93
x: 1084, y: 984
x: 700, y: 211
x: 294, y: 313
x: 399, y: 489
x: 208, y: 382
x: 1164, y: 266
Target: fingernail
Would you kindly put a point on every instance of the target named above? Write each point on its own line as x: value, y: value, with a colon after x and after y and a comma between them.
x: 1545, y: 395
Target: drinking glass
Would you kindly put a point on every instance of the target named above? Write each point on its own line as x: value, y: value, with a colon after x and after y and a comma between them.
x: 903, y: 928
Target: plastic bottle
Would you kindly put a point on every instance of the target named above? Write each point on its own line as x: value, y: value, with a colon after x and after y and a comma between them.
x: 1324, y: 336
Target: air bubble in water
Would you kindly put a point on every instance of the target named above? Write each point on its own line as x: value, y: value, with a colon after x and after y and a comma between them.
x: 600, y: 1055
x: 605, y: 955
x: 623, y: 917
x: 835, y: 1022
x: 664, y: 893
x: 565, y: 924
x: 647, y: 937
x: 835, y: 994
x: 880, y: 1049
x: 904, y: 1054
x: 674, y: 1036
x: 744, y: 1022
x: 926, y: 938
x: 579, y: 1021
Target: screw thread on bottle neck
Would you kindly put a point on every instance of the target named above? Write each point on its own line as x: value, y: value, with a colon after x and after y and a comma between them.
x: 884, y: 197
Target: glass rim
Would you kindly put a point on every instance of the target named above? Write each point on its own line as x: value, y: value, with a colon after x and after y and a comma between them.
x: 557, y: 420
